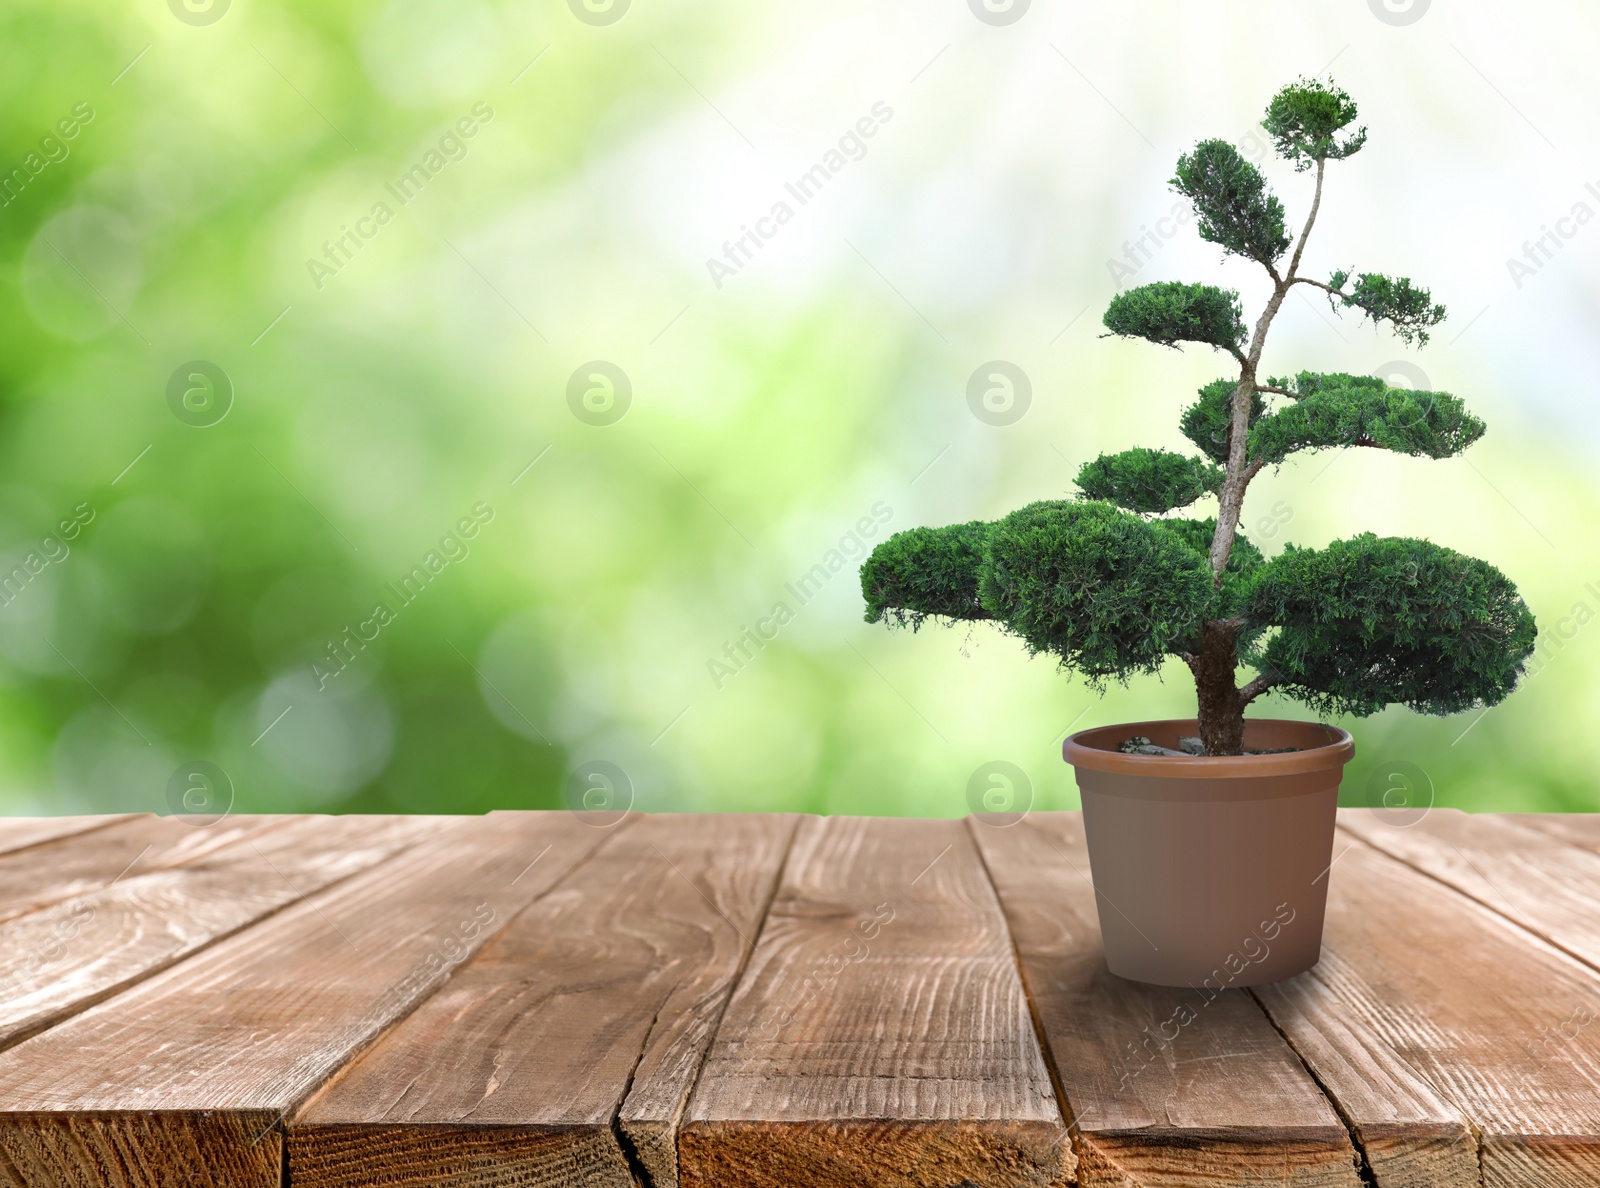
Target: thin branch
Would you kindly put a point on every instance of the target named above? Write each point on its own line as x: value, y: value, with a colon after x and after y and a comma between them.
x: 1275, y: 391
x: 1305, y: 234
x: 1239, y: 470
x: 1306, y: 280
x: 1258, y: 686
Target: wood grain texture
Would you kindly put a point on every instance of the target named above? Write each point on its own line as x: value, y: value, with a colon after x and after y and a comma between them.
x: 58, y: 960
x: 1429, y: 1010
x: 480, y: 1156
x: 740, y: 878
x: 1164, y: 1085
x: 152, y: 1149
x: 1581, y: 829
x: 879, y: 1035
x: 81, y: 863
x: 17, y: 832
x: 199, y: 1055
x: 526, y: 1000
x: 1539, y: 880
x: 609, y: 987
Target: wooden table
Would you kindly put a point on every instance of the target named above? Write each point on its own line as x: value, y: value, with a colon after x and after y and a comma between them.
x: 716, y: 1001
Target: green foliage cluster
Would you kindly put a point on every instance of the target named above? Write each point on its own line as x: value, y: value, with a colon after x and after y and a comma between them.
x: 1230, y: 197
x: 1242, y: 560
x: 1146, y: 480
x: 1170, y: 312
x: 1409, y: 310
x: 1234, y: 588
x: 1368, y: 622
x: 1106, y: 592
x: 925, y: 572
x: 1349, y: 628
x: 1353, y: 627
x: 1304, y: 119
x: 1207, y: 423
x: 1361, y: 410
x: 1076, y: 579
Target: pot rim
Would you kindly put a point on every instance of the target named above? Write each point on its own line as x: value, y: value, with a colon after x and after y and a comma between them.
x: 1093, y: 749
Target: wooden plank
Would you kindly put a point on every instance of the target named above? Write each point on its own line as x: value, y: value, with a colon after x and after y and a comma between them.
x: 1579, y: 829
x: 879, y: 1035
x: 81, y: 863
x: 607, y: 988
x: 1542, y: 882
x: 188, y: 1073
x: 670, y: 1062
x: 19, y: 832
x: 1164, y: 1085
x: 1429, y: 1009
x: 56, y: 961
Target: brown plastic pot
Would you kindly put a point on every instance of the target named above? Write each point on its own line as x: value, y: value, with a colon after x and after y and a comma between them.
x: 1210, y: 871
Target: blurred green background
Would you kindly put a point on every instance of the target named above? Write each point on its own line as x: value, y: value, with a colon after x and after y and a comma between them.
x: 208, y: 240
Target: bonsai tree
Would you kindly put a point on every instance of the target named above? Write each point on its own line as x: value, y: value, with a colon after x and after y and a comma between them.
x: 1112, y: 584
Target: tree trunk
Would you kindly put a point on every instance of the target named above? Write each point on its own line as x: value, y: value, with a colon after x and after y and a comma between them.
x: 1237, y: 475
x: 1221, y: 703
x: 1239, y: 472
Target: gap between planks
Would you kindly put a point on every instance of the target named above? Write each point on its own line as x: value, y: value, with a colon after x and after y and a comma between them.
x: 564, y: 1051
x: 100, y: 943
x: 1309, y: 1058
x: 21, y: 833
x: 257, y: 1022
x: 1400, y: 1010
x: 1222, y: 1100
x: 880, y: 1033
